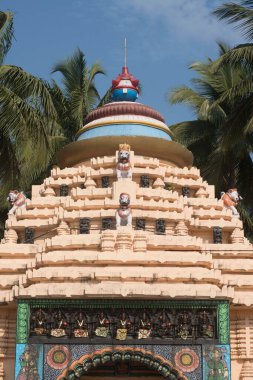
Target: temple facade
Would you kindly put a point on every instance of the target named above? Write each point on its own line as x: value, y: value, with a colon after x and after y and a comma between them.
x: 123, y: 263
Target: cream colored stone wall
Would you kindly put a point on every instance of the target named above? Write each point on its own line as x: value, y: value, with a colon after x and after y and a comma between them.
x: 126, y: 262
x: 7, y: 342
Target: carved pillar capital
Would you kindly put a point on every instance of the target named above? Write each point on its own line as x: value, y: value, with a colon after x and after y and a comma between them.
x: 247, y: 370
x: 140, y: 241
x: 237, y: 236
x: 10, y: 236
x: 107, y: 241
x: 124, y: 239
x: 181, y: 228
x: 63, y: 228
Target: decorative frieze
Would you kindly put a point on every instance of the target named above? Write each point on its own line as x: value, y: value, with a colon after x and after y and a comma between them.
x: 123, y: 324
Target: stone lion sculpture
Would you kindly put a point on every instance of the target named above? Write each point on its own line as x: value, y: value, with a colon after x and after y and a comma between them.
x: 17, y: 199
x: 124, y: 213
x: 123, y: 168
x: 231, y: 199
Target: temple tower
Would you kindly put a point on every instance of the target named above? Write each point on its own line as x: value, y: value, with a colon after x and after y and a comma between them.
x: 123, y: 261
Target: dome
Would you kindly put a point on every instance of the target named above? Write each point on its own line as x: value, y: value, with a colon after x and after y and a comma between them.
x: 125, y: 87
x: 125, y: 121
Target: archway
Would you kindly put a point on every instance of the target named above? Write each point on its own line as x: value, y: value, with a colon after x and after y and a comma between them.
x: 123, y: 354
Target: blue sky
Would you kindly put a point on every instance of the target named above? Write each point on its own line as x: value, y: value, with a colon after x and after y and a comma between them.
x: 164, y: 37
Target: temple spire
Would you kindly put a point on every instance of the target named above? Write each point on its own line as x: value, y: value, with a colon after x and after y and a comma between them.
x: 125, y: 51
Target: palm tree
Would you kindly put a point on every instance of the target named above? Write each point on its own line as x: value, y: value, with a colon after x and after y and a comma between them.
x: 220, y: 137
x: 29, y: 131
x: 79, y: 94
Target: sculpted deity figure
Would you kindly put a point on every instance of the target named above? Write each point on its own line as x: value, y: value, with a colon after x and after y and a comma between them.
x: 145, y: 326
x: 80, y: 328
x: 123, y: 326
x: 205, y: 325
x: 123, y: 168
x: 59, y: 324
x: 103, y: 323
x: 124, y: 213
x: 17, y: 199
x: 39, y: 322
x: 184, y: 328
x: 164, y: 325
x: 231, y: 199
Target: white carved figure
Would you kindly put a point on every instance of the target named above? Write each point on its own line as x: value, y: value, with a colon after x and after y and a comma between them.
x: 124, y: 169
x: 124, y: 213
x: 17, y: 199
x: 231, y: 199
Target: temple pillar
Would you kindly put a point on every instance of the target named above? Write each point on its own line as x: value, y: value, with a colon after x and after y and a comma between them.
x: 242, y: 344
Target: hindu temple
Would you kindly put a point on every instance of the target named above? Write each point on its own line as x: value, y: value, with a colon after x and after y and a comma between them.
x: 123, y: 264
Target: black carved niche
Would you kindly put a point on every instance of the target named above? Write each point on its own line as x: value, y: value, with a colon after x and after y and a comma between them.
x: 84, y: 226
x: 107, y: 224
x: 105, y: 181
x: 217, y: 235
x: 168, y: 186
x: 140, y: 224
x: 64, y: 190
x: 160, y: 226
x: 186, y: 191
x: 144, y: 181
x: 29, y: 235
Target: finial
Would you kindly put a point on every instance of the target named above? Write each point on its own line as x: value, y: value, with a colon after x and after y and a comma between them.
x: 125, y: 48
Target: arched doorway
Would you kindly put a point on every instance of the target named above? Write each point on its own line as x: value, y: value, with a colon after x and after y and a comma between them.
x: 122, y: 371
x: 119, y: 359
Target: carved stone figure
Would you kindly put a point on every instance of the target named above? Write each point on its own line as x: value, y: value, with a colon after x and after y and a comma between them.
x: 205, y: 325
x: 231, y: 199
x: 144, y: 181
x: 124, y: 213
x: 64, y: 190
x: 84, y: 226
x: 39, y: 322
x: 140, y: 224
x: 80, y: 327
x: 59, y: 324
x: 164, y: 325
x: 17, y: 199
x: 217, y: 235
x: 160, y: 226
x: 102, y: 325
x: 145, y: 326
x: 105, y: 181
x: 123, y: 326
x: 184, y: 328
x: 123, y: 167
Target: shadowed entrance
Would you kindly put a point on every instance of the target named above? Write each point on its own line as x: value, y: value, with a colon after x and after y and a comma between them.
x: 121, y: 362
